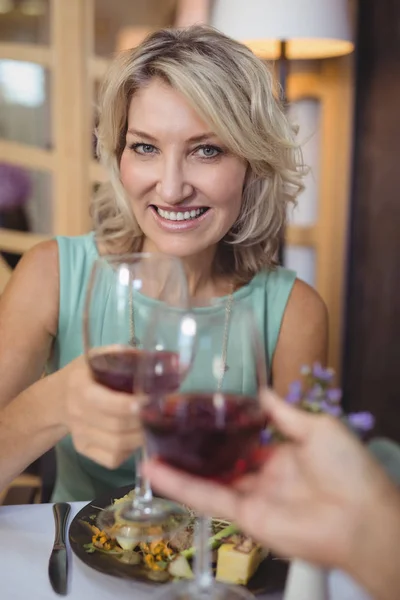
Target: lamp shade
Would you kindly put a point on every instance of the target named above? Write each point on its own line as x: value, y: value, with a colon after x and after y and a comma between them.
x: 310, y: 28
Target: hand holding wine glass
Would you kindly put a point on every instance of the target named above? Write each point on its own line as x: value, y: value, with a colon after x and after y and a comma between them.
x: 123, y: 292
x: 320, y: 497
x: 211, y: 427
x: 104, y: 425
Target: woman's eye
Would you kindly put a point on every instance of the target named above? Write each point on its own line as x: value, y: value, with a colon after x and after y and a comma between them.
x: 141, y: 148
x: 209, y: 151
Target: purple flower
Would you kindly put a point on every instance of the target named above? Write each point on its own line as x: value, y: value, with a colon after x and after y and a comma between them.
x: 293, y: 398
x: 320, y: 373
x: 363, y: 421
x: 295, y: 391
x: 295, y: 387
x: 315, y: 393
x: 332, y: 409
x: 334, y: 395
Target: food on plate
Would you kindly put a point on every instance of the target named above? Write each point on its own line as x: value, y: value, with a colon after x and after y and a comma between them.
x: 126, y: 544
x: 101, y: 541
x: 180, y: 568
x: 157, y: 555
x: 238, y: 566
x: 235, y: 556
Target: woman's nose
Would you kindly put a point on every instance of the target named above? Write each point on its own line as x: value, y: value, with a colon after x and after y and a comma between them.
x: 172, y: 187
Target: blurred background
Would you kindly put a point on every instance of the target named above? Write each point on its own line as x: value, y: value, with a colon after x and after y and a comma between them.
x: 338, y: 62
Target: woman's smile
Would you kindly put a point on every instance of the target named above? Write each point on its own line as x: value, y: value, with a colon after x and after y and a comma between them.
x: 180, y: 219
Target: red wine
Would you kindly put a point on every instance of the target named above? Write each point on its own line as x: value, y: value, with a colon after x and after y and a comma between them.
x: 120, y: 368
x: 216, y: 436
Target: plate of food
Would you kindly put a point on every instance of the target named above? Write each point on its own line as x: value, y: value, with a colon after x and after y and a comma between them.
x: 236, y: 558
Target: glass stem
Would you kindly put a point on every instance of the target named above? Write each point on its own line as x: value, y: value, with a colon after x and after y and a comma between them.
x: 143, y: 494
x: 203, y: 579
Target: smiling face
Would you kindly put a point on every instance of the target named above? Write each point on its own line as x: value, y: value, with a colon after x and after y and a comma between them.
x: 184, y: 185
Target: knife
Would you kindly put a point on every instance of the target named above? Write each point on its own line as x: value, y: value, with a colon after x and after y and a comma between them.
x: 58, y: 563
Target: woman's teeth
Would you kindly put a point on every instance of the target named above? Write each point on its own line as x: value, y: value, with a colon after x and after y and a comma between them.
x: 186, y: 215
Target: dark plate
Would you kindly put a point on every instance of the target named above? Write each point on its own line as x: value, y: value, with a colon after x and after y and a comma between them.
x: 270, y: 576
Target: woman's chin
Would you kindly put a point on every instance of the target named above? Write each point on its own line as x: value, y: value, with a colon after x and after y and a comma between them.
x: 179, y: 252
x: 182, y: 249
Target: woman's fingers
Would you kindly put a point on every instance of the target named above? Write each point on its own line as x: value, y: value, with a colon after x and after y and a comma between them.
x: 112, y: 403
x: 86, y: 395
x: 98, y: 406
x: 105, y: 423
x: 106, y: 448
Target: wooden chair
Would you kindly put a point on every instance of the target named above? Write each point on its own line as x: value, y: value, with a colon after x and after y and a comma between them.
x: 35, y: 485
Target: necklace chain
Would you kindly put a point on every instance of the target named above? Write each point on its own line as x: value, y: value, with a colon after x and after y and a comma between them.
x: 224, y: 367
x: 133, y: 339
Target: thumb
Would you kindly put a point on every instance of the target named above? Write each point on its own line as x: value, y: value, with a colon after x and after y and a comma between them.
x: 289, y: 420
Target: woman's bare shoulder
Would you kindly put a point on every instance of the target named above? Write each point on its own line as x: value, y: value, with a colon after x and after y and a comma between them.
x: 303, y: 338
x: 304, y: 299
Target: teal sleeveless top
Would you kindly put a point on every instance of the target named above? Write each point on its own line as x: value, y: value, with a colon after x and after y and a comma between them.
x: 79, y: 478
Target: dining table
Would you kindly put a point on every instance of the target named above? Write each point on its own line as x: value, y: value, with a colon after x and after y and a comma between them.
x: 26, y: 541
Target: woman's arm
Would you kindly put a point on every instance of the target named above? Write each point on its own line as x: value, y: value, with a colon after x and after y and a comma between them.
x: 303, y: 339
x: 30, y: 407
x: 36, y: 413
x: 28, y: 319
x: 29, y: 426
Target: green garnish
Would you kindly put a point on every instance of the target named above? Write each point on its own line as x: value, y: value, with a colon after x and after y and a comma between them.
x: 90, y: 548
x: 214, y: 540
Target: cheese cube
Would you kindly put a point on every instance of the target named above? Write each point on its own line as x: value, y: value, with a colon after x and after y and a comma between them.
x: 237, y: 567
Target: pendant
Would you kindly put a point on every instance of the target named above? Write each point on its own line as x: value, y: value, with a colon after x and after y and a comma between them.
x: 134, y: 341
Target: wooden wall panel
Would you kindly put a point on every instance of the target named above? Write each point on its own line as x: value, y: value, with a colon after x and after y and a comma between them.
x: 72, y: 26
x: 372, y: 356
x: 337, y: 86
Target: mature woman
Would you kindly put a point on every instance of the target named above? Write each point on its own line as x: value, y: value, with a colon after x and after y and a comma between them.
x: 189, y: 129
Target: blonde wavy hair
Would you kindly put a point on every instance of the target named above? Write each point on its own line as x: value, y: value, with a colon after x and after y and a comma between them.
x: 234, y: 93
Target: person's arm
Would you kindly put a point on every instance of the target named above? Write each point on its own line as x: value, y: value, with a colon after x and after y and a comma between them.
x: 30, y: 420
x: 303, y: 338
x: 375, y: 559
x: 36, y: 413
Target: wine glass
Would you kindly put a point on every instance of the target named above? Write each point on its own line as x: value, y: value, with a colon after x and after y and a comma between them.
x: 122, y: 294
x: 212, y: 426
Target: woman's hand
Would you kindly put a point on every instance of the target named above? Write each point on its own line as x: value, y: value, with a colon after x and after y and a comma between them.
x: 313, y: 499
x: 104, y: 424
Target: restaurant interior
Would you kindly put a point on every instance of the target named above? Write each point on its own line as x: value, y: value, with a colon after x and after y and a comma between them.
x: 338, y: 66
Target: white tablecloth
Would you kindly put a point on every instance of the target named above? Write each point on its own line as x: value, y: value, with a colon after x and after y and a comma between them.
x: 26, y: 540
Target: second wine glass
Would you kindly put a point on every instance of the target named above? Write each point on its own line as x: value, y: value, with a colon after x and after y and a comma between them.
x: 122, y: 294
x: 212, y: 426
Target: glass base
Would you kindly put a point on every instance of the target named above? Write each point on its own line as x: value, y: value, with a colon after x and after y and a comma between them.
x: 152, y: 520
x: 186, y: 590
